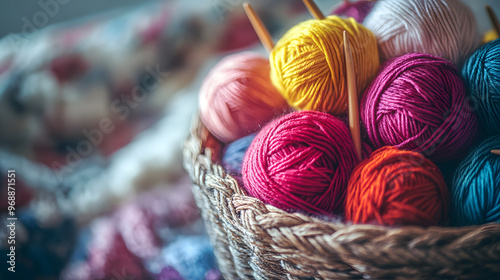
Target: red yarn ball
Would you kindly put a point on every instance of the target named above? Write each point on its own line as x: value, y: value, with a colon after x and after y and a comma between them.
x: 301, y: 162
x: 395, y: 187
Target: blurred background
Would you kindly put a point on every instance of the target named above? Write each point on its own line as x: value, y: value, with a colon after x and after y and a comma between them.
x: 96, y: 99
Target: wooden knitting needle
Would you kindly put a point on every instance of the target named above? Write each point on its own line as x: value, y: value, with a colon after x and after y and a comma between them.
x: 258, y: 26
x: 313, y: 9
x: 495, y: 152
x: 352, y: 97
x: 493, y: 19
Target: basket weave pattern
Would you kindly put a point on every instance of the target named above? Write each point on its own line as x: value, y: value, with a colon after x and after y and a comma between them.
x: 253, y: 240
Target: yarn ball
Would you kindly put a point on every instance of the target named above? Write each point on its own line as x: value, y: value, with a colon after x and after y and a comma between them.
x: 232, y: 160
x: 490, y: 36
x: 418, y: 103
x: 308, y: 63
x: 395, y: 187
x: 355, y: 9
x: 481, y: 73
x: 475, y: 192
x: 237, y: 97
x: 445, y: 28
x: 301, y: 162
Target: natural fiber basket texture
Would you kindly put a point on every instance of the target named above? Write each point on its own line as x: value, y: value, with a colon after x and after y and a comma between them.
x: 253, y: 240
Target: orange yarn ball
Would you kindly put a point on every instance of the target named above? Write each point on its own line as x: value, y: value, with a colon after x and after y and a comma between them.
x: 395, y: 187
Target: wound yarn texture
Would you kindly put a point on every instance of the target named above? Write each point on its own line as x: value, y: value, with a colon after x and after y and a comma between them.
x: 481, y: 73
x: 308, y: 63
x: 234, y: 153
x: 446, y: 28
x: 301, y: 162
x: 475, y: 192
x: 237, y: 97
x: 418, y: 102
x: 395, y: 187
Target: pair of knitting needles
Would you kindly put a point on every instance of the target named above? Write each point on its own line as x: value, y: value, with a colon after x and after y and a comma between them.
x: 351, y: 81
x: 268, y: 43
x: 351, y: 85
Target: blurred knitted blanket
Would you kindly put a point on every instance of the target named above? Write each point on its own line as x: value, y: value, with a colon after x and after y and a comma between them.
x: 94, y: 112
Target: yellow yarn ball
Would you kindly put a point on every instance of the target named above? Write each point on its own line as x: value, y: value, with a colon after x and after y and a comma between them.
x: 490, y: 36
x: 308, y: 63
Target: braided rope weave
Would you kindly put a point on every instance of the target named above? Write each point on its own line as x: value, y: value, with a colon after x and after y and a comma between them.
x: 253, y: 240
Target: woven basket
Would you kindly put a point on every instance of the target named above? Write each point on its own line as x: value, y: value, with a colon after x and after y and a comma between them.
x: 253, y: 240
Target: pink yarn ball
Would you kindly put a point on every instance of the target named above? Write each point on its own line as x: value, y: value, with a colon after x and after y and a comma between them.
x: 418, y: 103
x: 237, y: 97
x: 301, y: 162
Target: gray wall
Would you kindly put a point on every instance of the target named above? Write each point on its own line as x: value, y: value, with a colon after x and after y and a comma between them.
x: 14, y: 13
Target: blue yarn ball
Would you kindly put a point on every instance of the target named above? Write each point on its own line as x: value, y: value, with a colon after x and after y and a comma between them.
x: 481, y: 73
x: 232, y: 159
x: 475, y: 192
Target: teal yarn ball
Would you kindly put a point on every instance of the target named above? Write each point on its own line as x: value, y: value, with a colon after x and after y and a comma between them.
x: 481, y: 73
x: 475, y: 192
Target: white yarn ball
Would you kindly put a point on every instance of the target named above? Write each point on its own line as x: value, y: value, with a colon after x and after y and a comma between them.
x: 445, y: 28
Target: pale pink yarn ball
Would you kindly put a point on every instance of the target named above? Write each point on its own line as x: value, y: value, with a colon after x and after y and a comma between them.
x: 446, y: 28
x: 237, y: 97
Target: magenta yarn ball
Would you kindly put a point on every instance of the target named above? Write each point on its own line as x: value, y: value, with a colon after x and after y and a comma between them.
x: 237, y: 97
x: 301, y: 162
x: 418, y: 102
